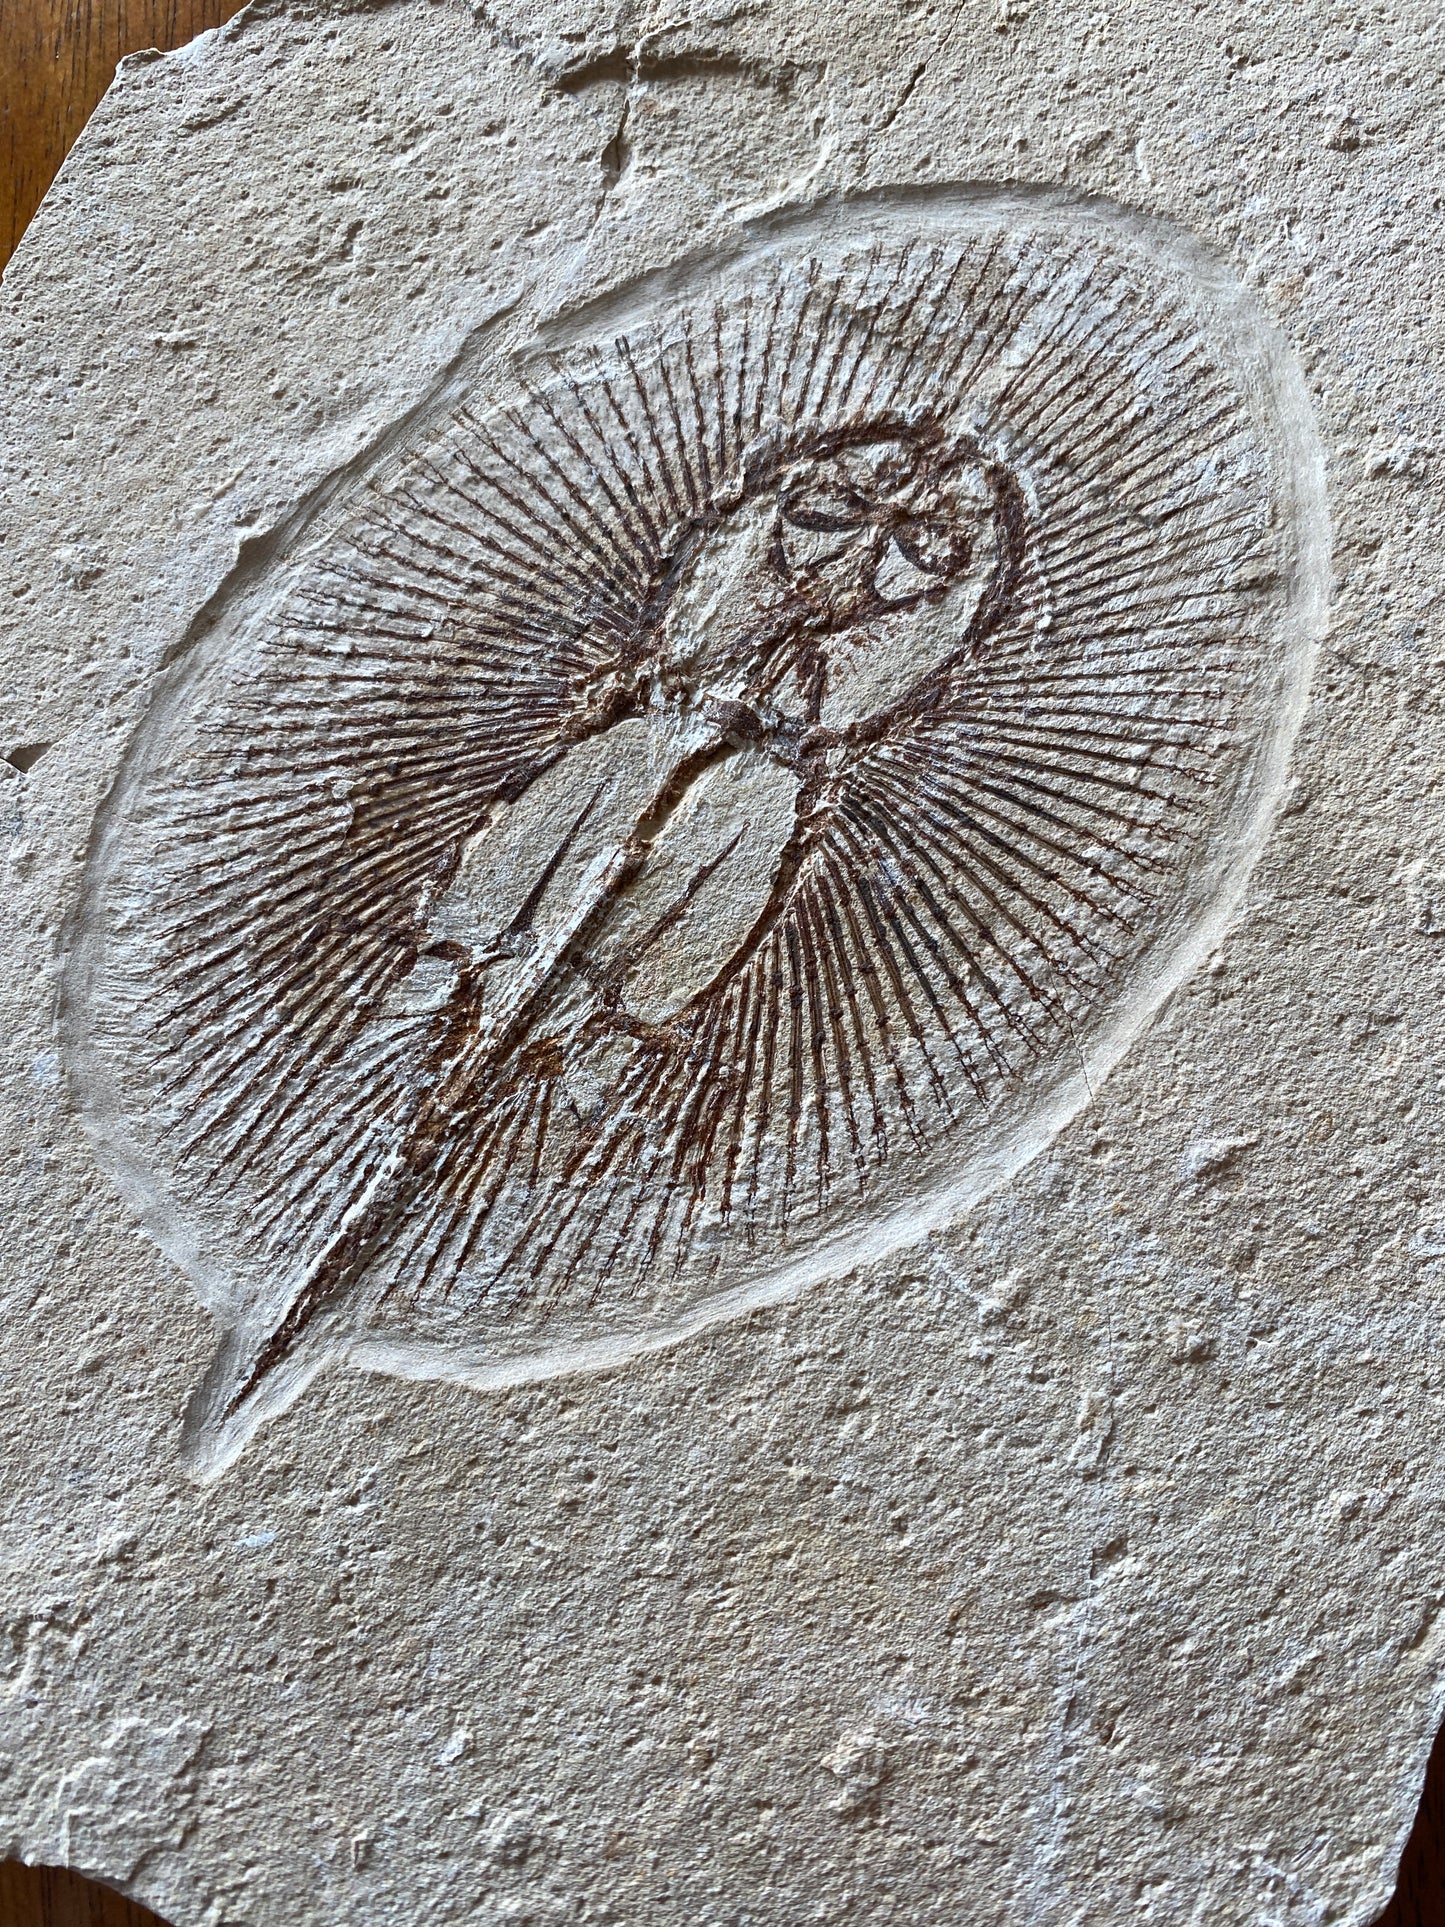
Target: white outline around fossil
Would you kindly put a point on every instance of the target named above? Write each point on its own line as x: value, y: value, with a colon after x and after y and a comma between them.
x: 696, y: 814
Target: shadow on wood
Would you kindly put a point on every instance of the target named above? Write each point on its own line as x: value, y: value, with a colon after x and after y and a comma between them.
x: 55, y: 1897
x: 1420, y: 1890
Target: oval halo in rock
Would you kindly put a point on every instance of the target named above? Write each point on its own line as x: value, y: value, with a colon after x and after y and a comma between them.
x: 711, y: 803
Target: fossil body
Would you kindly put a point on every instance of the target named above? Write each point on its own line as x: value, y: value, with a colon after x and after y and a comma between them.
x: 708, y: 805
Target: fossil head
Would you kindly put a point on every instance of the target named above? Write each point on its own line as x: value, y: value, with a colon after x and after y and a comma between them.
x: 880, y: 525
x: 854, y: 567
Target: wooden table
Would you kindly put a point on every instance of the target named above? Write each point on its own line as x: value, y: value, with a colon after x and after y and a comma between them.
x: 56, y: 60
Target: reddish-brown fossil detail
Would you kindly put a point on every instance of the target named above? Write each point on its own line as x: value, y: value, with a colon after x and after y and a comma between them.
x: 689, y: 802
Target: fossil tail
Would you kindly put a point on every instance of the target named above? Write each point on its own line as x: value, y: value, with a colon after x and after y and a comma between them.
x: 267, y: 1361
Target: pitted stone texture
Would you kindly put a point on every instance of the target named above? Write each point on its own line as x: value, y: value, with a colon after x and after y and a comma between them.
x: 1083, y: 1563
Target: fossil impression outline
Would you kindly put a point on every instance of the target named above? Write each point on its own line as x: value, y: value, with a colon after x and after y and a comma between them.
x: 709, y: 801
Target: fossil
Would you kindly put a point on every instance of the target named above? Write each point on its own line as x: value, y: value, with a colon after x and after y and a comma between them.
x: 709, y: 802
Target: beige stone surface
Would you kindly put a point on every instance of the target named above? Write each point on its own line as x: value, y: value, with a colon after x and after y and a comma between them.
x: 1040, y: 1518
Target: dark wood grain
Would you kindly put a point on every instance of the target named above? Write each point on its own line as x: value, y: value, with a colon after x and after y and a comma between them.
x: 54, y: 1897
x: 57, y: 58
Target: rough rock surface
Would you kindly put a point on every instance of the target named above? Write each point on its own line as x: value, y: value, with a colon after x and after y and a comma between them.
x: 1078, y: 1558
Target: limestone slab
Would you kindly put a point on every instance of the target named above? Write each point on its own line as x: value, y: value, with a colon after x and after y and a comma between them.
x: 722, y: 978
